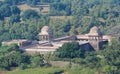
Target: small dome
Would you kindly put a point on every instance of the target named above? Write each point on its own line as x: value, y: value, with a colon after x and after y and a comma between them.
x: 46, y: 31
x: 95, y: 31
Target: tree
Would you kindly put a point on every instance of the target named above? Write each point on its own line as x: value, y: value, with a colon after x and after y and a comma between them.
x: 5, y: 10
x: 32, y: 2
x: 37, y: 60
x: 29, y: 14
x: 67, y: 27
x: 47, y: 57
x: 11, y: 2
x: 15, y: 18
x: 70, y: 50
x: 11, y: 56
x: 114, y: 31
x: 112, y: 58
x: 1, y: 16
x: 111, y: 53
x: 92, y: 60
x: 15, y: 10
x: 60, y: 8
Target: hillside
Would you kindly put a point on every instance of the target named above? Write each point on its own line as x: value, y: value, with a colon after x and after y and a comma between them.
x: 38, y: 71
x: 24, y: 19
x: 76, y: 70
x: 64, y: 17
x: 45, y: 9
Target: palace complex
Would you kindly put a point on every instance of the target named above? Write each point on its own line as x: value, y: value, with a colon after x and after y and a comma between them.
x: 94, y: 40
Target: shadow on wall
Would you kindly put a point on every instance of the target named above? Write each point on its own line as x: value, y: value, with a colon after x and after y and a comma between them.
x: 102, y: 44
x: 87, y: 47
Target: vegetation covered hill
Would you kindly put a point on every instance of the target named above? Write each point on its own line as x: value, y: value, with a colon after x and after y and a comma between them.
x: 84, y: 13
x: 65, y: 17
x: 106, y: 61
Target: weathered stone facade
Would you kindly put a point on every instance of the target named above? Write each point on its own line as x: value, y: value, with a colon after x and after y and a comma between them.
x: 94, y: 40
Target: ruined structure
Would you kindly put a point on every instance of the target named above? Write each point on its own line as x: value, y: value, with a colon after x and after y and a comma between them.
x: 93, y: 40
x: 46, y: 34
x: 20, y: 43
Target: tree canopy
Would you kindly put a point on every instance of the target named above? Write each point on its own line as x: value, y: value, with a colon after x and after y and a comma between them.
x: 70, y: 50
x: 28, y: 14
x: 12, y: 56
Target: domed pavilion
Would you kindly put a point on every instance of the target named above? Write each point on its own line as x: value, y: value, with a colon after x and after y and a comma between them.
x: 46, y: 34
x: 95, y: 37
x: 95, y: 31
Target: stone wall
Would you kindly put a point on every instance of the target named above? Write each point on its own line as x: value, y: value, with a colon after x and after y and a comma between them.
x: 86, y: 47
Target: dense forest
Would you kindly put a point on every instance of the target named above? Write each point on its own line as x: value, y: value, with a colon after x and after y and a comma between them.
x: 80, y: 16
x: 65, y: 17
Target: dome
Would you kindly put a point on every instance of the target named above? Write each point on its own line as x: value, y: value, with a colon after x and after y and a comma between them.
x: 46, y: 31
x: 95, y: 31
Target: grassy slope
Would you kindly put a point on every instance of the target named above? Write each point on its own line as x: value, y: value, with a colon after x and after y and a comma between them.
x: 54, y: 70
x: 80, y: 71
x: 37, y: 71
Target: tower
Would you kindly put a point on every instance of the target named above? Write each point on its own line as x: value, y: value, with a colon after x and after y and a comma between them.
x: 46, y: 34
x: 95, y: 37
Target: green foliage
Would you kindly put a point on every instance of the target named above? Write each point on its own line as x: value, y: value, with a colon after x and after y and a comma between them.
x: 5, y: 10
x: 6, y: 59
x: 60, y: 9
x: 58, y: 29
x: 115, y: 31
x: 9, y: 11
x: 70, y: 50
x: 15, y: 18
x: 32, y: 2
x: 23, y: 66
x: 6, y: 49
x: 12, y: 2
x: 12, y: 56
x: 48, y: 57
x: 85, y: 14
x: 1, y: 16
x: 15, y: 30
x: 29, y: 14
x: 111, y: 54
x: 37, y: 61
x: 91, y: 60
x: 15, y: 10
x: 67, y: 27
x: 38, y: 71
x: 80, y: 70
x: 103, y: 61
